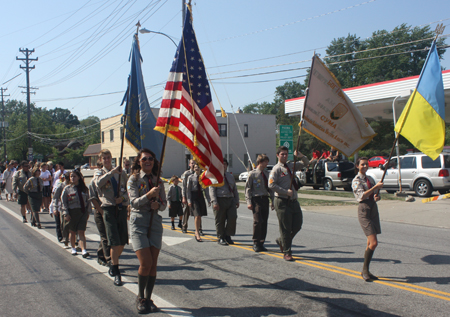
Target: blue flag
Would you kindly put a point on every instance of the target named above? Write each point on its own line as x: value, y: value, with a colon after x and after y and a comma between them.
x: 140, y: 120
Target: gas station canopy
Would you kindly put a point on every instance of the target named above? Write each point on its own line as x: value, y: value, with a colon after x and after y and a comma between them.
x: 377, y: 101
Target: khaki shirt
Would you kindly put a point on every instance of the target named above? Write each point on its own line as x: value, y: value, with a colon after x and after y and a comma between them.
x: 31, y: 186
x: 185, y: 177
x: 359, y: 185
x: 224, y: 191
x: 71, y: 200
x: 255, y: 185
x: 280, y: 179
x: 105, y: 191
x: 172, y: 194
x: 20, y: 179
x: 138, y: 187
x: 57, y: 192
x: 93, y: 194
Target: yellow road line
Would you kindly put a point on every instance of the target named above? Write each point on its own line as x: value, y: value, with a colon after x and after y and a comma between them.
x: 344, y: 271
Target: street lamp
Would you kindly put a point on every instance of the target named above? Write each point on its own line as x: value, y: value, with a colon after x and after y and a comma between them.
x: 144, y: 30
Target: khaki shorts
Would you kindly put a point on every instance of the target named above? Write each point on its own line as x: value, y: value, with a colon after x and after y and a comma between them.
x: 139, y: 223
x: 78, y: 220
x: 116, y: 225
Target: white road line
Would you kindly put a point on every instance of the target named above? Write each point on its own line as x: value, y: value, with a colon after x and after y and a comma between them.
x: 169, y: 308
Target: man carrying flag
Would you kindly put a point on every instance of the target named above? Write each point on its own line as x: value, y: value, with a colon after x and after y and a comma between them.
x: 422, y: 120
x: 187, y: 114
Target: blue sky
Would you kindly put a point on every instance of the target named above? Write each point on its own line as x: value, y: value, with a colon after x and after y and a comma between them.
x: 83, y: 46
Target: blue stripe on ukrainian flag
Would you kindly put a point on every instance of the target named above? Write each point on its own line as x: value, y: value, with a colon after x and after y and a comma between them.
x: 431, y: 86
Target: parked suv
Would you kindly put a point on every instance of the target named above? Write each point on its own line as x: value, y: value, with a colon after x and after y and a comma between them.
x: 328, y: 175
x: 418, y: 173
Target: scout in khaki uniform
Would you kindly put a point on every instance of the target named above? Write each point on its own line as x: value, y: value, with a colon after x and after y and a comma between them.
x: 34, y: 187
x: 225, y: 201
x: 257, y: 196
x: 76, y: 209
x: 367, y: 194
x: 147, y: 198
x: 289, y: 213
x: 114, y: 206
x: 61, y: 231
x: 187, y: 209
x: 19, y: 179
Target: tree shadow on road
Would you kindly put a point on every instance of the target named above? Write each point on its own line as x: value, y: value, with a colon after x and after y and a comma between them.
x: 195, y: 285
x: 437, y: 259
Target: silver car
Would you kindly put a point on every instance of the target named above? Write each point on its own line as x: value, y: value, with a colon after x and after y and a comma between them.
x: 244, y: 175
x: 418, y: 173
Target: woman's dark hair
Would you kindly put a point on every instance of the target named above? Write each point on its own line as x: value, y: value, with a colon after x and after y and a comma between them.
x: 81, y: 185
x: 359, y: 159
x: 136, y: 168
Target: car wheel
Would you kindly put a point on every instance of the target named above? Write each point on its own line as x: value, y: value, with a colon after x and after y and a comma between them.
x: 316, y: 187
x: 379, y: 165
x: 348, y: 188
x: 423, y: 188
x: 390, y: 191
x: 328, y: 184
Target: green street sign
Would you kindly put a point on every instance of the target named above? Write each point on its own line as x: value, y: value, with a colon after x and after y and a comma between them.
x: 286, y: 132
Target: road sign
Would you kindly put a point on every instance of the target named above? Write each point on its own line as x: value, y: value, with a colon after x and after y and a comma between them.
x: 286, y: 139
x: 286, y: 132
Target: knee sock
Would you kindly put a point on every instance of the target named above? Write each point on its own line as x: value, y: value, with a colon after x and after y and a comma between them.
x: 367, y: 258
x: 150, y: 285
x: 142, y: 284
x: 115, y: 269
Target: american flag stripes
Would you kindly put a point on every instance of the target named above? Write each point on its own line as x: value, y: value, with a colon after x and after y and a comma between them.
x: 187, y: 109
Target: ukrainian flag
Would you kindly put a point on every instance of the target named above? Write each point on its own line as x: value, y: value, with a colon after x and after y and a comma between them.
x: 422, y: 120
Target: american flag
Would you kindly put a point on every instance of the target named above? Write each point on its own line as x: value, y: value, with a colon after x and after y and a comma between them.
x: 188, y: 110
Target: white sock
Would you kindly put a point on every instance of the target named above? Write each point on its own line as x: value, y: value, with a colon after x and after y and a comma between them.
x: 74, y: 250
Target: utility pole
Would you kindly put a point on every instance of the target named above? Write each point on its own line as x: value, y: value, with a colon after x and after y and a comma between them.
x: 4, y: 123
x: 27, y: 69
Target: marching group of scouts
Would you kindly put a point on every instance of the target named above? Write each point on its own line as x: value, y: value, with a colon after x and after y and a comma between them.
x: 118, y: 197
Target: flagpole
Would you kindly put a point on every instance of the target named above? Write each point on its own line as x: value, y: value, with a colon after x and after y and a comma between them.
x: 439, y: 30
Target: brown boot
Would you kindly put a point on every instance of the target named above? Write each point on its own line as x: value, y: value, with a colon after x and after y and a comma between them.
x: 365, y: 271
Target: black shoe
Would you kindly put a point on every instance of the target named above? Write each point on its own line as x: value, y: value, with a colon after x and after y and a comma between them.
x: 111, y: 272
x: 173, y: 227
x: 142, y: 305
x: 24, y: 220
x: 60, y: 239
x: 365, y: 276
x: 373, y: 277
x: 263, y: 249
x: 228, y: 238
x: 184, y: 230
x: 85, y: 255
x: 118, y: 280
x: 151, y: 306
x: 200, y: 232
x: 101, y: 262
x: 222, y: 242
x: 180, y: 225
x: 257, y: 248
x: 279, y: 244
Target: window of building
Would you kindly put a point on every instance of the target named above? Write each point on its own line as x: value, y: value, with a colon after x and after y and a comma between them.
x: 132, y: 158
x: 111, y: 135
x: 103, y: 137
x: 222, y: 129
x: 114, y: 162
x: 245, y: 130
x: 229, y: 159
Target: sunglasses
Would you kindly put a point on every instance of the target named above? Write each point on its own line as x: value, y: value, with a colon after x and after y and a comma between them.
x: 147, y: 158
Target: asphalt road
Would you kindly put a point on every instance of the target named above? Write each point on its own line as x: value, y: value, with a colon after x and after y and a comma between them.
x: 39, y: 277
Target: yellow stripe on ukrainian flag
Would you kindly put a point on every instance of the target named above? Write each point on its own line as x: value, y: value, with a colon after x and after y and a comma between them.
x: 422, y: 126
x: 422, y: 120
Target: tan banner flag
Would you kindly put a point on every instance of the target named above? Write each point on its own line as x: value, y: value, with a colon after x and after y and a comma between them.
x: 331, y: 116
